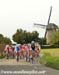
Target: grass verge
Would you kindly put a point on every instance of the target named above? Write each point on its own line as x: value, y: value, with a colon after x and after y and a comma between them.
x: 49, y: 59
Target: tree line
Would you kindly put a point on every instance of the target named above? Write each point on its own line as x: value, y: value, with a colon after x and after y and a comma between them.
x: 4, y: 40
x: 22, y: 36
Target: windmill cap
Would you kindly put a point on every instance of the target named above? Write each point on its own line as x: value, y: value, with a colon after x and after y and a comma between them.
x: 52, y: 26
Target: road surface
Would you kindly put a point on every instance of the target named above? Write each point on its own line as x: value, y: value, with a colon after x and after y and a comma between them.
x: 12, y: 67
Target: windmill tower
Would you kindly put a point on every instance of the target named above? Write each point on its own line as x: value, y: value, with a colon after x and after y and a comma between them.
x: 50, y: 28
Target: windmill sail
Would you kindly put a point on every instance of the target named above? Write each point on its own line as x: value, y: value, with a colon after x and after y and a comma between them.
x: 45, y: 26
x: 41, y: 25
x: 49, y: 15
x: 48, y: 20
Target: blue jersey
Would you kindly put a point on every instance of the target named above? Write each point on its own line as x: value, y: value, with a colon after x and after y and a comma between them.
x: 17, y: 48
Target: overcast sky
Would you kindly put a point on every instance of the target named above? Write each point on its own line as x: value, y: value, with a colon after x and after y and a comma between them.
x: 16, y: 14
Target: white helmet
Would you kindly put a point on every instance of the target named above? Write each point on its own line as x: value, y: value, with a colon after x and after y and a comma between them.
x: 32, y: 42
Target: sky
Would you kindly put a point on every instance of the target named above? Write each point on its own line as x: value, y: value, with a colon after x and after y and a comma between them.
x: 16, y: 14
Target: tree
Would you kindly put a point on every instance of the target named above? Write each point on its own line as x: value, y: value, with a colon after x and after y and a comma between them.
x: 22, y: 36
x: 18, y: 36
x: 1, y: 38
x: 42, y: 41
x: 4, y: 40
x: 55, y: 38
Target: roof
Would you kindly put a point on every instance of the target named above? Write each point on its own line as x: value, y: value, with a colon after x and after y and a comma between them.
x: 52, y: 26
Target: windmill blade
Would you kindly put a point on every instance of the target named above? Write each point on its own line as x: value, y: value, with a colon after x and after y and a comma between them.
x: 40, y: 25
x: 49, y: 15
x: 48, y: 20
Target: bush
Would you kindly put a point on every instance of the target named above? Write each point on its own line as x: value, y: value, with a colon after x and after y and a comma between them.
x: 2, y: 56
x: 50, y: 61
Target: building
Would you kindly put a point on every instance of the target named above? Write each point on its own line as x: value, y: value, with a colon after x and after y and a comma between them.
x: 51, y: 28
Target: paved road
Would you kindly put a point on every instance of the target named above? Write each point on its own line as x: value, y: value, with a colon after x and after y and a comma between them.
x: 34, y: 69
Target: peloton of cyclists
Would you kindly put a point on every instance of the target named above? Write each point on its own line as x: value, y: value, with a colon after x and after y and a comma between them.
x: 28, y: 51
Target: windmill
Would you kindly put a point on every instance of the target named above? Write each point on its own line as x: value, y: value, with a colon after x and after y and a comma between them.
x: 50, y: 28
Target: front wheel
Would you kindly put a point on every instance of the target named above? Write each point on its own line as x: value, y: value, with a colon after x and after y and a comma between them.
x: 17, y: 58
x: 7, y: 55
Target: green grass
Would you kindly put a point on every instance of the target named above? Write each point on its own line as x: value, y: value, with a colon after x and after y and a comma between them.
x: 52, y: 52
x: 50, y: 58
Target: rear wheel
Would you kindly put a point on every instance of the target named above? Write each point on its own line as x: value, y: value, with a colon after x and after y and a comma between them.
x: 17, y: 58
